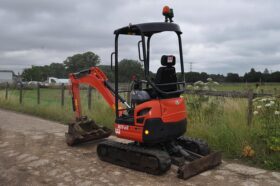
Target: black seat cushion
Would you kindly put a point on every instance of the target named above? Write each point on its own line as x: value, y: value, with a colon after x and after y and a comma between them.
x: 166, y: 75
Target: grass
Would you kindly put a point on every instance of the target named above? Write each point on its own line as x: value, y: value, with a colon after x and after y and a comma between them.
x: 50, y: 105
x: 222, y: 122
x: 224, y: 126
x: 267, y: 87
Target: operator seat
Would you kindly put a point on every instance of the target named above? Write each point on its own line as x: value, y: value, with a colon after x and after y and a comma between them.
x: 167, y: 74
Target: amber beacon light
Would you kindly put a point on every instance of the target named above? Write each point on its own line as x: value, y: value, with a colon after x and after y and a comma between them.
x: 168, y: 13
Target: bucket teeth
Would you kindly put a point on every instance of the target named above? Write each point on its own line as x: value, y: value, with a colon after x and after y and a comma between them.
x: 199, y: 165
x: 84, y: 131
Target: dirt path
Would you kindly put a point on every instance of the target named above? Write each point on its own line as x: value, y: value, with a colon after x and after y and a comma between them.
x: 33, y: 152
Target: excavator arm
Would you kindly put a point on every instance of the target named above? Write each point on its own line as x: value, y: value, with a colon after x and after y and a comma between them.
x: 95, y: 78
x: 84, y: 129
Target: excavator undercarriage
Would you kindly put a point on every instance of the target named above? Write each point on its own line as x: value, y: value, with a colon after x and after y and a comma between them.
x: 158, y: 159
x: 192, y: 156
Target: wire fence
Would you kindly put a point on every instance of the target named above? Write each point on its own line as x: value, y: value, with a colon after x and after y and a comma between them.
x: 60, y: 95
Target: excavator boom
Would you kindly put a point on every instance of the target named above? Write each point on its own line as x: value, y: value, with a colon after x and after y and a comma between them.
x: 95, y: 78
x: 83, y: 129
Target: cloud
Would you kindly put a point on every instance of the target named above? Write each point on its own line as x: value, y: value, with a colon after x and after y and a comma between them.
x: 218, y: 37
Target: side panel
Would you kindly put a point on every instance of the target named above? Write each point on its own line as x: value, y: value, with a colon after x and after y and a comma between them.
x: 154, y: 112
x: 135, y: 132
x: 173, y: 109
x: 129, y: 132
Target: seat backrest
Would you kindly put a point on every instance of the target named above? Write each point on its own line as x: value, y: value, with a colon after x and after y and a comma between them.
x: 167, y: 73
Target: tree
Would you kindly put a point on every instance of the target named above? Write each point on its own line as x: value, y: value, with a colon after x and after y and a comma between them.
x: 108, y: 71
x: 192, y: 77
x: 233, y: 77
x: 80, y: 62
x: 41, y: 73
x: 265, y: 71
x: 35, y: 73
x: 265, y: 75
x: 72, y: 64
x: 217, y: 77
x: 253, y: 76
x: 203, y: 76
x: 57, y: 70
x: 129, y: 68
x: 27, y: 74
x: 274, y: 77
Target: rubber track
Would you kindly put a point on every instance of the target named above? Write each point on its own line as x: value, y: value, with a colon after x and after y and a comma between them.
x: 151, y: 161
x: 185, y: 142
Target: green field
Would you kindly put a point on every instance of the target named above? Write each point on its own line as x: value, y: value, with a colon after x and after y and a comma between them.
x: 50, y: 105
x: 222, y: 122
x: 269, y: 88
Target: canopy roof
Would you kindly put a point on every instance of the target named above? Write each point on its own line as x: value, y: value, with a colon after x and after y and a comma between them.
x: 148, y: 29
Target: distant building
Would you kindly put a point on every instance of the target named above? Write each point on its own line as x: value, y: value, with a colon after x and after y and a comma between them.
x: 57, y: 81
x: 8, y: 76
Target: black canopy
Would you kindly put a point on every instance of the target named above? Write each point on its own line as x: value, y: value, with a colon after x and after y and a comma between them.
x: 148, y: 29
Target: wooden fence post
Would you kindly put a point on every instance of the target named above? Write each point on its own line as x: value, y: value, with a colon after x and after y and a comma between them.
x: 89, y: 97
x: 62, y: 94
x: 38, y: 93
x: 20, y: 93
x: 250, y: 107
x: 6, y: 92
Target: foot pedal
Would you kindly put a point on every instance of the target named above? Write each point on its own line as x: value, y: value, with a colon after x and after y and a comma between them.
x: 84, y: 131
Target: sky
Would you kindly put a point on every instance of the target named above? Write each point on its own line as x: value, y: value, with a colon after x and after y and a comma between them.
x: 219, y: 36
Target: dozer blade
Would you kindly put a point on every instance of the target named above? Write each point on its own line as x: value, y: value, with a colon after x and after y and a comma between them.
x: 84, y: 131
x: 199, y: 165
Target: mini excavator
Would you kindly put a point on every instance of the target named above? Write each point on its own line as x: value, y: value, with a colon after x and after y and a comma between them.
x: 155, y: 118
